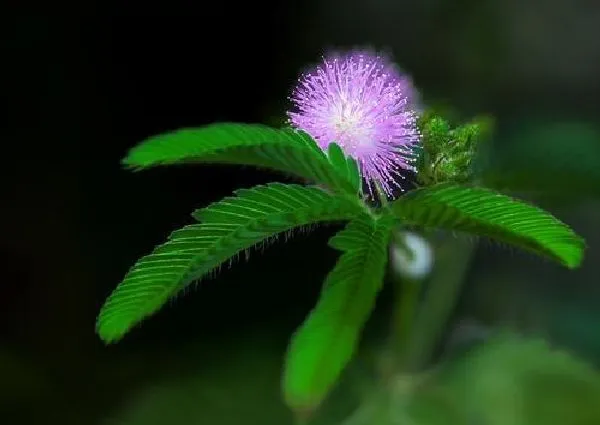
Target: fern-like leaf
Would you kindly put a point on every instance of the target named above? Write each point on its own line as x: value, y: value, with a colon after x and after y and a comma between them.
x: 227, y: 227
x: 326, y: 341
x: 285, y: 150
x: 487, y: 213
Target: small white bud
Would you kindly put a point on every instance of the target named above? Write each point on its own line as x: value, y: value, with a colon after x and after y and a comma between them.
x: 417, y: 266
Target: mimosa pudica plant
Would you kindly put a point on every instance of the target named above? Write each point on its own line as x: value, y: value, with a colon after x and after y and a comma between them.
x: 354, y: 130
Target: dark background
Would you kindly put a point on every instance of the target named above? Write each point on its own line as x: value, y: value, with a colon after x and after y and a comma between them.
x: 80, y: 89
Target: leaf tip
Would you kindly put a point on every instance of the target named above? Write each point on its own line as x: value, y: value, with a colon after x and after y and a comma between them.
x: 576, y: 258
x: 106, y: 336
x: 130, y: 164
x: 108, y: 331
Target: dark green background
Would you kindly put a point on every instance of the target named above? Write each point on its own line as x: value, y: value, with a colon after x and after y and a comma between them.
x: 82, y: 86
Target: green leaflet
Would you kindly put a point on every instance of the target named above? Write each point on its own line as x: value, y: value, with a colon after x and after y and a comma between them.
x: 284, y: 150
x: 325, y: 343
x: 227, y: 228
x: 345, y: 164
x: 487, y: 213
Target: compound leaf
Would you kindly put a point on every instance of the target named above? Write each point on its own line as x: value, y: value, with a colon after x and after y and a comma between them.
x: 487, y: 213
x: 285, y: 150
x: 226, y: 228
x: 326, y: 341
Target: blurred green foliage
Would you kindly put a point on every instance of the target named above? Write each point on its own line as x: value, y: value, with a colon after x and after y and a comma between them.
x: 508, y: 380
x: 219, y: 382
x: 554, y: 160
x: 517, y: 381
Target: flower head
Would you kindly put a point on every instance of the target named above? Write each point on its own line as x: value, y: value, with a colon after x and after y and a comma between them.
x: 363, y: 103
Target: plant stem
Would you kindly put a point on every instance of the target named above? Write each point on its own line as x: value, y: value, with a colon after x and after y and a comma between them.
x: 453, y: 258
x: 405, y: 306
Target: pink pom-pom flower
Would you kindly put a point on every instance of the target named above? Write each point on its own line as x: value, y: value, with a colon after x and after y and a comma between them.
x: 362, y: 102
